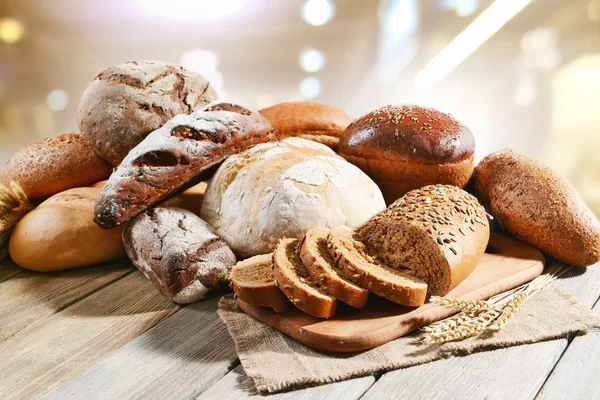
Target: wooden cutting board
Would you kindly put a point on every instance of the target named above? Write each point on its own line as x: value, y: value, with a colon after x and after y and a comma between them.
x: 508, y: 263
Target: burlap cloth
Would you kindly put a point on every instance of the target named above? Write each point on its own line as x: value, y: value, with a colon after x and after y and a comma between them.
x: 276, y: 362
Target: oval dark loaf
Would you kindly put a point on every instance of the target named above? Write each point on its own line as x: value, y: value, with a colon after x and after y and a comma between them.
x: 179, y: 253
x: 538, y: 206
x: 180, y: 154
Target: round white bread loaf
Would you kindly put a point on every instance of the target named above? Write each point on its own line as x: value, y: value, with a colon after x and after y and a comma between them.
x: 281, y: 190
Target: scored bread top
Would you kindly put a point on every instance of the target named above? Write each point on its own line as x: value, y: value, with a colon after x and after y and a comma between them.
x: 322, y: 268
x: 297, y: 284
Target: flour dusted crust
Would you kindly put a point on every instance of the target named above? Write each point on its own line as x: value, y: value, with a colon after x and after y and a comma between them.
x: 179, y: 253
x: 283, y: 189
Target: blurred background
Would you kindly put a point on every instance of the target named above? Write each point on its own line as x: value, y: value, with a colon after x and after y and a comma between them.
x: 520, y: 73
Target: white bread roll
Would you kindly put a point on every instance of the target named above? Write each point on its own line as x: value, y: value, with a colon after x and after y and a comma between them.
x: 277, y: 190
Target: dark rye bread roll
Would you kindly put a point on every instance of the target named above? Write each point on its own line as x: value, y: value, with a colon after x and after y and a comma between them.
x: 537, y: 205
x: 296, y: 283
x: 253, y: 282
x: 309, y: 120
x: 407, y: 147
x: 179, y: 253
x: 436, y: 234
x: 124, y: 103
x: 185, y: 151
x: 321, y: 266
x: 356, y: 264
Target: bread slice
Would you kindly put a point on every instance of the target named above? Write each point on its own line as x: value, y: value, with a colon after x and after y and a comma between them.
x: 254, y: 283
x: 297, y: 284
x: 320, y: 265
x: 352, y: 260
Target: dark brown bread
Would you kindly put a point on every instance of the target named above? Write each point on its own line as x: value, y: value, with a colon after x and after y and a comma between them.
x: 253, y: 282
x: 322, y: 268
x: 356, y: 264
x: 128, y: 101
x: 53, y: 165
x: 437, y: 234
x: 180, y: 154
x: 296, y: 283
x: 537, y: 205
x: 179, y: 253
x: 308, y: 120
x: 407, y: 147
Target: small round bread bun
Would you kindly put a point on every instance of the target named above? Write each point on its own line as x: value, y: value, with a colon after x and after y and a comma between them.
x: 128, y: 101
x: 308, y: 120
x: 407, y: 147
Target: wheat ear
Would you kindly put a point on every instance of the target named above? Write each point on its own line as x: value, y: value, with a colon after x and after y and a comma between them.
x: 463, y: 305
x: 473, y: 323
x: 14, y: 204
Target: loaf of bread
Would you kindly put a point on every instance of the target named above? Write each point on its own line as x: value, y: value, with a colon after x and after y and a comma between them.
x: 128, y: 101
x: 283, y: 189
x: 408, y: 147
x: 436, y: 234
x: 179, y: 253
x: 308, y: 120
x: 60, y: 234
x: 322, y: 268
x: 253, y: 282
x: 538, y: 206
x: 296, y: 283
x: 177, y: 156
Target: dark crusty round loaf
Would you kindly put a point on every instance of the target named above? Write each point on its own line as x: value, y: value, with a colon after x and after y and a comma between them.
x: 55, y: 164
x: 179, y: 253
x: 308, y: 120
x: 538, y: 206
x: 128, y: 101
x: 407, y: 147
x: 437, y: 234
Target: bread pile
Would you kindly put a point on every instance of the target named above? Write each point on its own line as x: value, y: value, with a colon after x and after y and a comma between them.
x: 294, y: 213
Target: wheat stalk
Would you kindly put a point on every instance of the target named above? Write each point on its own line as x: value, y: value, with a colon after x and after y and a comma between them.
x: 493, y: 314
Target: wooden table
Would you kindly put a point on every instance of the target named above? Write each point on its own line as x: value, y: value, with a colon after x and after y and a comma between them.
x: 106, y: 332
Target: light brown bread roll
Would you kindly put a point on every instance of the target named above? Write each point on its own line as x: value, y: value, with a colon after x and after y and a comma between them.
x: 436, y: 234
x: 407, y: 147
x: 128, y: 101
x: 308, y: 120
x: 61, y: 234
x: 537, y: 205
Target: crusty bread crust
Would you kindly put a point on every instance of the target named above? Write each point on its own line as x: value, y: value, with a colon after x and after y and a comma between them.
x: 320, y: 265
x: 53, y: 165
x: 264, y: 293
x: 539, y: 206
x: 309, y: 120
x: 356, y: 265
x: 295, y: 282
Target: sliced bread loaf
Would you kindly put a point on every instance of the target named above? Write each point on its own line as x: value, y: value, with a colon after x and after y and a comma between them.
x: 254, y: 283
x: 297, y: 284
x: 437, y: 234
x: 353, y: 262
x: 322, y: 268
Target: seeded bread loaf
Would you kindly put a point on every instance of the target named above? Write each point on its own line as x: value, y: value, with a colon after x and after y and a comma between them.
x: 297, y: 284
x: 124, y: 103
x: 407, y: 147
x: 178, y: 155
x: 538, y: 206
x: 179, y: 253
x: 352, y: 260
x: 322, y: 268
x: 308, y: 120
x: 436, y: 234
x: 253, y: 282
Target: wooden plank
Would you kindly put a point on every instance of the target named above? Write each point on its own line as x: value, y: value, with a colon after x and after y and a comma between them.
x: 576, y: 374
x: 9, y: 269
x: 47, y: 353
x: 177, y: 359
x: 514, y: 372
x: 34, y: 296
x: 237, y: 385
